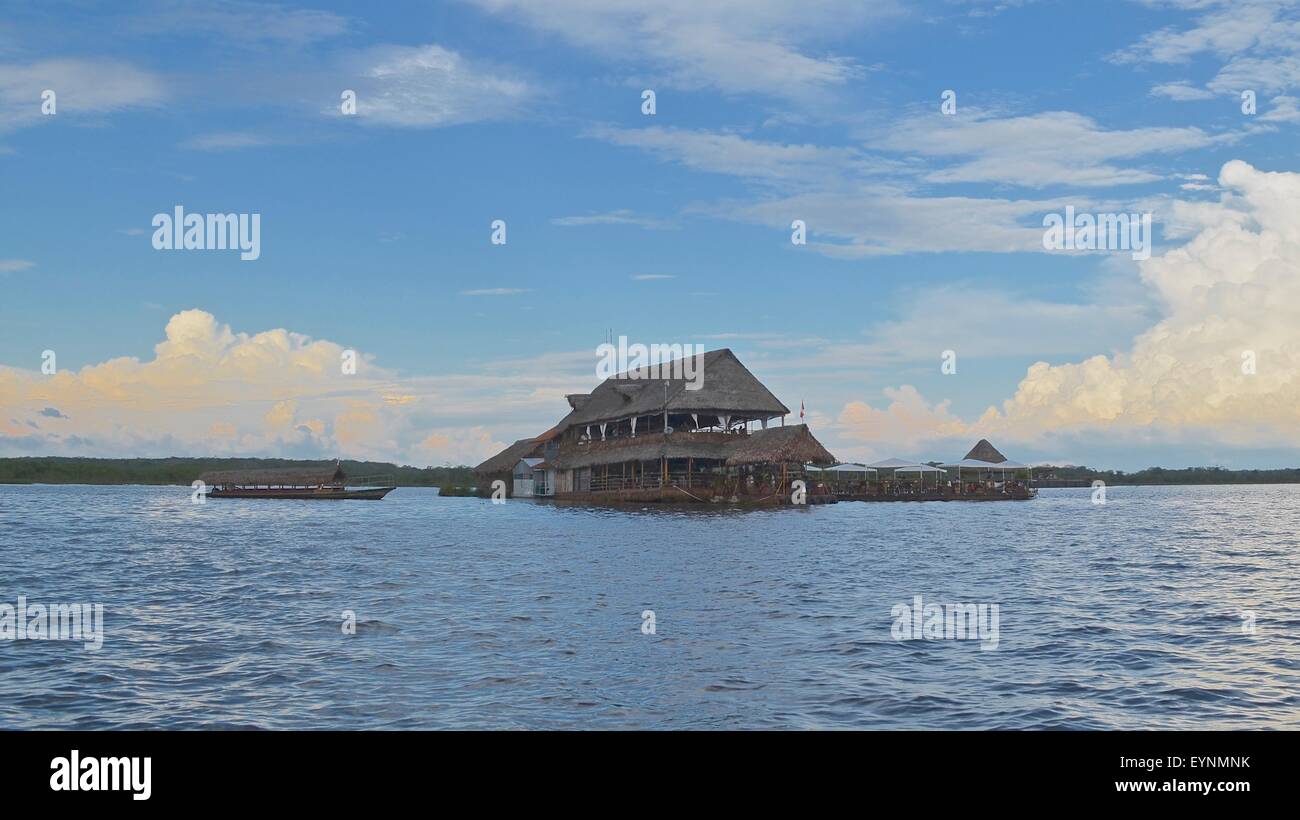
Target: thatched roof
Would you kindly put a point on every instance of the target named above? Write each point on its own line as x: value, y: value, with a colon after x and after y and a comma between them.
x: 780, y: 445
x: 650, y: 447
x: 285, y: 476
x: 505, y: 461
x: 726, y: 386
x: 986, y: 452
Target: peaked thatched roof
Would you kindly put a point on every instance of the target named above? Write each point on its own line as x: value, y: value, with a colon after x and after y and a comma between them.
x: 780, y: 445
x: 986, y: 452
x: 505, y: 461
x: 284, y: 476
x: 725, y: 386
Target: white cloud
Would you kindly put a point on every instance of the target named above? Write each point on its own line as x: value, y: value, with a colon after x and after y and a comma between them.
x: 1181, y: 91
x: 1054, y: 147
x: 737, y: 46
x: 903, y: 428
x: 736, y: 155
x: 495, y: 291
x: 1259, y: 39
x: 1229, y: 291
x: 8, y: 266
x: 880, y: 221
x: 430, y: 86
x: 621, y: 216
x: 1263, y: 75
x: 1281, y: 109
x: 857, y: 205
x: 209, y: 390
x: 1230, y: 28
x: 81, y: 86
x: 1227, y: 298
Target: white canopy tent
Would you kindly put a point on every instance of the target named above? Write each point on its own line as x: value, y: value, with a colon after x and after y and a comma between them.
x: 1001, y: 466
x: 921, y: 470
x: 849, y: 468
x: 893, y: 464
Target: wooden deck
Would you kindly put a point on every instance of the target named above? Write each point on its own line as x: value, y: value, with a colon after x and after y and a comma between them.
x: 673, y: 494
x: 944, y: 494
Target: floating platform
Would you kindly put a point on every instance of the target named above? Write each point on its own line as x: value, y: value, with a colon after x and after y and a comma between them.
x: 682, y: 495
x: 1014, y: 495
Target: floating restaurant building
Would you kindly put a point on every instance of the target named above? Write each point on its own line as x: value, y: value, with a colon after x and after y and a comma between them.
x: 645, y: 435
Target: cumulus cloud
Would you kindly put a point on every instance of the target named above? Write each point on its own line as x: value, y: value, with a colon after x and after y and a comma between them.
x: 209, y: 390
x: 906, y: 423
x: 1231, y: 298
x: 1222, y: 365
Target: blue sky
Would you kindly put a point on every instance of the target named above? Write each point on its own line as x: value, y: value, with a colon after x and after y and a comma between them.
x: 924, y: 230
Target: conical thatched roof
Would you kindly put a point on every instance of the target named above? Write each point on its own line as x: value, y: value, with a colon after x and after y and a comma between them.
x: 283, y: 477
x: 726, y: 386
x: 505, y: 461
x: 986, y: 452
x: 780, y: 445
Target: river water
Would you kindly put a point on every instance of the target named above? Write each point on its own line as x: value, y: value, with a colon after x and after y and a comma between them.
x: 1166, y: 607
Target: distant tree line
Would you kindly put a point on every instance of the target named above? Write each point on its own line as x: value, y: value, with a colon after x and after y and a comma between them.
x: 60, y: 470
x: 1162, y: 475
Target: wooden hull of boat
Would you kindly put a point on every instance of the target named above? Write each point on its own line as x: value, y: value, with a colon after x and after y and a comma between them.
x: 366, y: 494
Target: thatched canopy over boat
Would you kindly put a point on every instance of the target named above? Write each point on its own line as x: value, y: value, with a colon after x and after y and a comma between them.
x: 326, y: 474
x: 780, y: 445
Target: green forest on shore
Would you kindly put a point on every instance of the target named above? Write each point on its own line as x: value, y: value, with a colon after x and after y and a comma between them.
x: 59, y: 470
x: 62, y: 470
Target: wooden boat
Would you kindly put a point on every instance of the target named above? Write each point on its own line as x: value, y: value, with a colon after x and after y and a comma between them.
x: 321, y: 493
x: 313, y: 483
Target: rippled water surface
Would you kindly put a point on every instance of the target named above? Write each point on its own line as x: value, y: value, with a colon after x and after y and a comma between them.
x: 228, y: 614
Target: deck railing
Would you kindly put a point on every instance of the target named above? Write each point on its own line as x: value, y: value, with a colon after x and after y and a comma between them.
x: 379, y: 480
x: 652, y: 481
